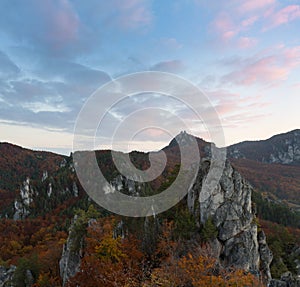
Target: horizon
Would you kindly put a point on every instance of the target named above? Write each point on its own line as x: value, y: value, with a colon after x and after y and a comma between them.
x: 243, y: 56
x: 68, y: 153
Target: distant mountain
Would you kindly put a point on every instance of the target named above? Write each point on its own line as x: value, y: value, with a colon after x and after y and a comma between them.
x: 282, y: 148
x: 33, y: 182
x: 277, y: 181
x: 272, y: 166
x: 17, y: 163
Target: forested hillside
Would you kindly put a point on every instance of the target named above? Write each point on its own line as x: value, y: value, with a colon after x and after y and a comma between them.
x: 53, y: 234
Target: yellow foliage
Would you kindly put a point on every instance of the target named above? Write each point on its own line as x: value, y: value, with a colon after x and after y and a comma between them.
x: 201, y: 272
x: 15, y: 245
x: 109, y: 249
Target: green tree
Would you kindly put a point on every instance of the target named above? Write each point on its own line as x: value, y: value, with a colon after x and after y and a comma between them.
x: 26, y: 268
x: 209, y: 231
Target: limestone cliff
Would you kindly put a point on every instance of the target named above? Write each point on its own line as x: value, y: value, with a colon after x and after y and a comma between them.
x: 229, y: 205
x: 6, y: 275
x: 71, y: 256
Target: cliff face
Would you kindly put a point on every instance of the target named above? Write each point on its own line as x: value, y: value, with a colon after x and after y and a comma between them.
x: 286, y: 280
x: 71, y: 256
x: 228, y: 204
x: 6, y: 275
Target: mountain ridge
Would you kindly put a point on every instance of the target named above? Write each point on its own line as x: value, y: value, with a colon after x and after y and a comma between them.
x: 282, y: 148
x: 236, y: 238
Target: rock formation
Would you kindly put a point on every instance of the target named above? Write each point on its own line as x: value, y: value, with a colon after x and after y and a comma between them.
x: 286, y: 280
x: 6, y: 275
x: 229, y: 205
x: 71, y: 256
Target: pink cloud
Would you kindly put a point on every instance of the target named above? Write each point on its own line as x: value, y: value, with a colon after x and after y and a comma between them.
x: 265, y: 70
x: 262, y: 71
x: 249, y: 21
x: 61, y: 23
x: 292, y: 57
x: 297, y: 86
x: 220, y: 95
x: 224, y: 27
x: 246, y: 42
x: 223, y: 22
x: 235, y: 109
x: 283, y: 16
x: 244, y: 117
x: 225, y: 108
x: 229, y: 30
x: 133, y: 13
x: 254, y: 5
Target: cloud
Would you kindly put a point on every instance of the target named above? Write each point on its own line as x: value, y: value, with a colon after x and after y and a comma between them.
x: 248, y: 22
x: 37, y: 107
x: 254, y: 5
x: 282, y: 16
x: 36, y: 104
x: 236, y: 110
x: 66, y: 29
x: 50, y: 26
x: 173, y: 66
x: 170, y: 43
x: 133, y: 13
x: 224, y: 26
x: 237, y: 25
x: 264, y: 70
x: 8, y: 67
x: 230, y: 30
x: 296, y: 86
x: 124, y: 15
x: 246, y: 42
x: 50, y: 98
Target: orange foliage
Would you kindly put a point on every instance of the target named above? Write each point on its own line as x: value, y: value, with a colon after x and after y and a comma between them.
x: 24, y: 238
x: 108, y: 261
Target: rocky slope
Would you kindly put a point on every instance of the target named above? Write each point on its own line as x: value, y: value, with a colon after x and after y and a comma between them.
x: 228, y: 204
x: 230, y: 207
x: 17, y: 163
x: 283, y: 148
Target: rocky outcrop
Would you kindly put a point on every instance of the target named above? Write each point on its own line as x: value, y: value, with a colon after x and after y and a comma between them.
x: 6, y: 275
x: 7, y: 280
x: 296, y: 254
x: 286, y: 280
x: 75, y: 189
x: 71, y: 256
x: 29, y: 280
x: 266, y: 255
x: 23, y: 201
x: 228, y: 203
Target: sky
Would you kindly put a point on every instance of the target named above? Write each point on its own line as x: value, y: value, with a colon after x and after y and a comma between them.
x: 54, y: 54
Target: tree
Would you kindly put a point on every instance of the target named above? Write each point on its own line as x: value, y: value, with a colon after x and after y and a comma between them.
x: 27, y: 272
x: 108, y: 261
x: 209, y: 231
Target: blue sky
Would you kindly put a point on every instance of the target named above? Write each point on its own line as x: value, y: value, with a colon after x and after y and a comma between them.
x: 245, y: 55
